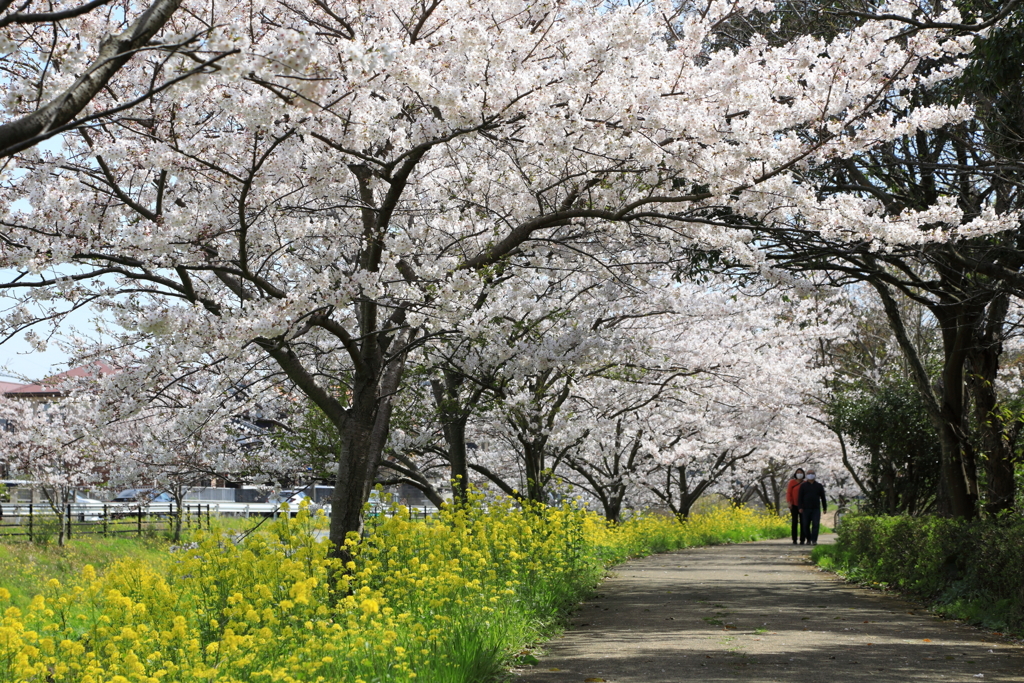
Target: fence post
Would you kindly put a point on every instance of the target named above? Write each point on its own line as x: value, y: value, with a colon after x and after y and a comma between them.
x: 139, y: 522
x: 69, y: 521
x: 105, y: 518
x: 30, y: 515
x: 208, y: 527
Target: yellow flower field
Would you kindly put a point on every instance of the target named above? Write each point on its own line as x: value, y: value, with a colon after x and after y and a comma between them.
x: 447, y: 599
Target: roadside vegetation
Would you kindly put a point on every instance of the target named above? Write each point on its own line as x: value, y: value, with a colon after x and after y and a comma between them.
x: 455, y: 598
x: 25, y: 567
x: 963, y: 570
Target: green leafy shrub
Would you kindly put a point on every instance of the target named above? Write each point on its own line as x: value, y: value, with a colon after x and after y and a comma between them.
x: 966, y: 570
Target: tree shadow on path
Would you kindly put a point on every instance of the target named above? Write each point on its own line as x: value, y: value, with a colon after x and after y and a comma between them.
x: 760, y: 612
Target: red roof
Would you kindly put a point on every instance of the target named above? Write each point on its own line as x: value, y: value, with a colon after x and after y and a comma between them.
x: 51, y: 385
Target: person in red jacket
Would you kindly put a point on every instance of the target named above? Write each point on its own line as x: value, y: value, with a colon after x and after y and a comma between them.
x: 792, y: 489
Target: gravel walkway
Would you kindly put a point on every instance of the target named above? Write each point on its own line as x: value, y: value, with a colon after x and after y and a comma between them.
x: 760, y: 612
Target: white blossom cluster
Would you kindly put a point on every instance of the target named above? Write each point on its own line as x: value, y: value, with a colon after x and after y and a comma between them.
x: 381, y: 171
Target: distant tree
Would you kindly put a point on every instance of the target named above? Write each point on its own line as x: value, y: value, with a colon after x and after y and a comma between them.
x: 890, y: 423
x: 57, y: 445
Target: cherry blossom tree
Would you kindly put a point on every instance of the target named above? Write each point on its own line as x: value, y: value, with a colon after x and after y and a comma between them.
x: 965, y: 281
x: 57, y: 445
x: 677, y: 362
x: 518, y: 358
x: 335, y: 193
x: 174, y: 448
x: 745, y: 415
x: 608, y: 470
x: 59, y: 56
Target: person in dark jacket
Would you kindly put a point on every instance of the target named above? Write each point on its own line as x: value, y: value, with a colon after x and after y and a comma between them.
x: 811, y: 499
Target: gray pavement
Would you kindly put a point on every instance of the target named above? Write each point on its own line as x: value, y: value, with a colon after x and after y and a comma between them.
x: 760, y: 612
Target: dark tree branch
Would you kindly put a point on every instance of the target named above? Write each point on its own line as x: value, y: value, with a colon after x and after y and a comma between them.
x: 43, y: 17
x: 1008, y: 6
x: 114, y: 53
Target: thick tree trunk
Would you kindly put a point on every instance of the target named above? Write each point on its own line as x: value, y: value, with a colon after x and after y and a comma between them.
x: 62, y: 525
x: 613, y: 504
x: 687, y: 497
x: 984, y: 361
x: 686, y: 502
x: 179, y: 497
x: 533, y: 456
x: 453, y: 418
x: 959, y: 468
x: 956, y: 496
x: 352, y: 484
x: 889, y: 486
x: 1001, y: 486
x: 355, y: 476
x: 459, y: 462
x: 364, y: 431
x: 363, y: 427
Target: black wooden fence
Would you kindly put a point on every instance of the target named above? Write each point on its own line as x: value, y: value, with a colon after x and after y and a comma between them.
x: 40, y: 521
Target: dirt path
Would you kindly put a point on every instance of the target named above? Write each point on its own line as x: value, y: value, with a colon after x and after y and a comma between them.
x: 760, y: 612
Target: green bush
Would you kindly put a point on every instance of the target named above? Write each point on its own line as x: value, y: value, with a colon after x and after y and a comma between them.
x: 966, y: 570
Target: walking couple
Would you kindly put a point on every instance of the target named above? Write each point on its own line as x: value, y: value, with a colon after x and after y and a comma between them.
x: 806, y: 499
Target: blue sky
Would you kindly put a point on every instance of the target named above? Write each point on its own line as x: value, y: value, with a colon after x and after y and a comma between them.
x: 17, y: 358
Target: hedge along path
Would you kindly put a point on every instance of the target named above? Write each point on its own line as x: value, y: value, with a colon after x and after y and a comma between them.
x: 760, y: 612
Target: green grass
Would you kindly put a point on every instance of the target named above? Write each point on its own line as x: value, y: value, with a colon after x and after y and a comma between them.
x: 26, y: 567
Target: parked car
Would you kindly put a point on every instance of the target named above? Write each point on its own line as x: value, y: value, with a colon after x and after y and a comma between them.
x: 87, y: 509
x: 294, y: 498
x: 251, y: 494
x: 129, y: 501
x: 143, y: 496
